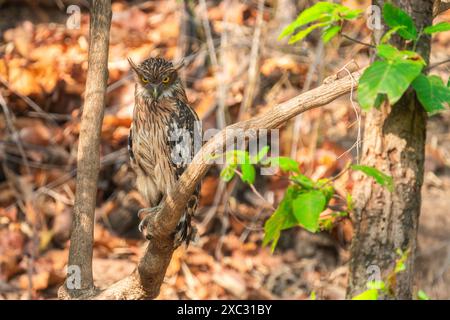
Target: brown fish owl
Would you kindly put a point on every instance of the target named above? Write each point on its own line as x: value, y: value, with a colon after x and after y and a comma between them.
x: 164, y: 136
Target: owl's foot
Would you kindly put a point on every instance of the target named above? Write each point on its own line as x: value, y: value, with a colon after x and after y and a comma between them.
x: 145, y: 214
x: 185, y: 232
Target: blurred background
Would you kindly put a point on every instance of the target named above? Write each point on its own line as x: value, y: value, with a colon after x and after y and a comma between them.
x: 235, y: 69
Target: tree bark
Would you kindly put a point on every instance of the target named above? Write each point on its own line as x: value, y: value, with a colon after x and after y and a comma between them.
x: 88, y: 158
x: 394, y: 142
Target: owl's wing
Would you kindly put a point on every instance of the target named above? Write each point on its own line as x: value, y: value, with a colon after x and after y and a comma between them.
x: 184, y: 135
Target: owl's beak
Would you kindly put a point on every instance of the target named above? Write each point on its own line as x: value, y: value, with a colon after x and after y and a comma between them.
x: 155, y: 91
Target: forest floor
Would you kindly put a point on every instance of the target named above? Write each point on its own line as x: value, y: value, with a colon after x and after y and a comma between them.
x: 42, y: 74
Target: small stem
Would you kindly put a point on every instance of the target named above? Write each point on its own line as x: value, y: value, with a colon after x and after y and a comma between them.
x: 434, y: 65
x: 357, y: 41
x: 259, y: 195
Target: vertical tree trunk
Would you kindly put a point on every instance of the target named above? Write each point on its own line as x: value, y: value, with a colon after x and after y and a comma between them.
x: 394, y: 142
x: 88, y: 161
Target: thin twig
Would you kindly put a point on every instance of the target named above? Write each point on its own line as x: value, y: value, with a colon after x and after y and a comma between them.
x: 29, y: 102
x: 218, y: 70
x: 306, y: 86
x: 14, y: 134
x: 434, y: 65
x: 358, y: 41
x: 249, y: 93
x: 252, y: 186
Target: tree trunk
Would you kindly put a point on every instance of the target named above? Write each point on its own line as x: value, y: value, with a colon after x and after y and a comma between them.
x: 394, y: 142
x: 88, y: 161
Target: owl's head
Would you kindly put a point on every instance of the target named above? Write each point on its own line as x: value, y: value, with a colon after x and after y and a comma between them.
x: 157, y: 78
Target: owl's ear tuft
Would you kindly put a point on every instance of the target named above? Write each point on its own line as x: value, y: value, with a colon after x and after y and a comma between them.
x: 177, y: 66
x: 133, y: 66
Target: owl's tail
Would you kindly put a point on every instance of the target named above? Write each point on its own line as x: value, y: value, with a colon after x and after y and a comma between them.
x: 185, y: 231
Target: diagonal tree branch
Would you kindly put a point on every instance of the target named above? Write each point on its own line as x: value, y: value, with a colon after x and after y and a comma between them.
x: 145, y: 281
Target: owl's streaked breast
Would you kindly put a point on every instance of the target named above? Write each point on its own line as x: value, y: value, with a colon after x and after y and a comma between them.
x: 151, y: 153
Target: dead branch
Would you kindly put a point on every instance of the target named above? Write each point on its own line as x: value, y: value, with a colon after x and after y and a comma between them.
x: 145, y: 281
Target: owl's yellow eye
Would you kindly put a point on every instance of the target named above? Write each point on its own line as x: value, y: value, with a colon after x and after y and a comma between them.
x: 165, y: 80
x: 144, y: 79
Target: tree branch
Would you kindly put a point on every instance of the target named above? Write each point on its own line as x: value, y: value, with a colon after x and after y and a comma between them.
x: 88, y: 159
x: 145, y: 281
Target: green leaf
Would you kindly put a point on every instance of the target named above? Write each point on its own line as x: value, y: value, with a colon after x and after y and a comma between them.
x: 286, y: 164
x: 347, y: 13
x: 281, y: 219
x: 349, y: 200
x: 303, y: 181
x: 400, y: 263
x: 261, y: 154
x: 248, y: 173
x: 431, y: 92
x: 380, y: 177
x: 330, y: 32
x: 303, y: 33
x: 395, y: 17
x: 319, y: 11
x: 391, y: 53
x: 439, y: 27
x: 370, y: 294
x: 387, y: 36
x: 377, y: 284
x: 308, y: 207
x: 228, y: 172
x: 386, y: 77
x: 421, y: 295
x: 326, y: 188
x: 312, y: 296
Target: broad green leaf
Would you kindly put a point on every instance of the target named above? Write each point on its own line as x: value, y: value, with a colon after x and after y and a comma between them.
x: 395, y: 17
x: 281, y: 219
x: 308, y: 207
x: 439, y: 27
x: 391, y: 53
x: 286, y: 164
x: 387, y: 36
x: 228, y: 172
x: 386, y: 77
x: 380, y: 177
x: 303, y: 33
x: 319, y: 11
x: 330, y: 32
x: 248, y: 173
x: 303, y: 181
x: 370, y: 294
x: 421, y: 295
x: 431, y: 92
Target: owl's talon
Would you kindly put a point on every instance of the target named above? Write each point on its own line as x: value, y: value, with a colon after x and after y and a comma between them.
x: 145, y: 214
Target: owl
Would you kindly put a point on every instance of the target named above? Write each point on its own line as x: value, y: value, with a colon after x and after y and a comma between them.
x: 163, y: 139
